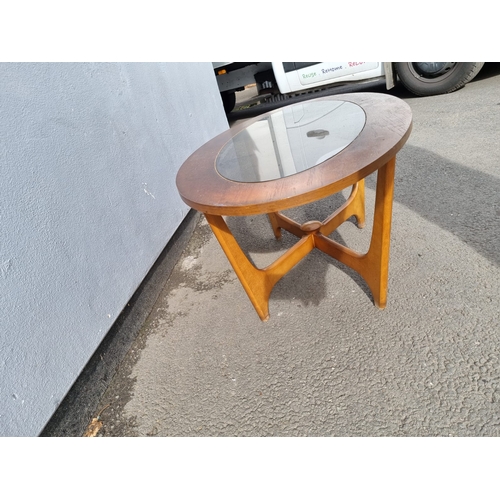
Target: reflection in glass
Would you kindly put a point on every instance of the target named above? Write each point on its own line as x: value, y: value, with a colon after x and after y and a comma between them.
x: 291, y: 140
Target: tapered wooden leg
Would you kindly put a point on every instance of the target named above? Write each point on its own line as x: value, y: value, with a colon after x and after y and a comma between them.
x: 354, y: 205
x: 374, y: 265
x: 258, y: 283
x: 273, y: 219
x: 376, y: 269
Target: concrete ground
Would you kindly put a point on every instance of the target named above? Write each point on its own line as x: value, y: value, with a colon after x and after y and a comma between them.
x: 328, y: 362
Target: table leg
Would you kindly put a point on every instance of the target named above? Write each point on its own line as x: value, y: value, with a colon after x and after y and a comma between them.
x: 258, y: 283
x: 354, y: 206
x: 374, y: 265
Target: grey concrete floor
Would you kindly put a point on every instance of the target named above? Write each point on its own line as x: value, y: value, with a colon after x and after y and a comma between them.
x: 328, y: 362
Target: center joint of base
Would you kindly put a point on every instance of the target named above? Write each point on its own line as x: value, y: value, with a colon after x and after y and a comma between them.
x: 312, y: 226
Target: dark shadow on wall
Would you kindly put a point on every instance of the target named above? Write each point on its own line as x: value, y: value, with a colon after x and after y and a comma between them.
x: 461, y: 200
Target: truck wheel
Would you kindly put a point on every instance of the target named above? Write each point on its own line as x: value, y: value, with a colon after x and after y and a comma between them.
x: 228, y: 100
x: 432, y: 78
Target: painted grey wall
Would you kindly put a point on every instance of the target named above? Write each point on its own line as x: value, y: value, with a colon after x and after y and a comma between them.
x: 88, y: 158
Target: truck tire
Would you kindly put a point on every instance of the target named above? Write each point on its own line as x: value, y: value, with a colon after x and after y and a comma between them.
x: 228, y: 100
x: 426, y: 79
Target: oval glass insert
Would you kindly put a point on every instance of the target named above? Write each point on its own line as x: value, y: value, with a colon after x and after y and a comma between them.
x: 290, y: 140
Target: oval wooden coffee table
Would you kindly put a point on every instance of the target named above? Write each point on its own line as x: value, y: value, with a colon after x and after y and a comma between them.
x: 294, y: 156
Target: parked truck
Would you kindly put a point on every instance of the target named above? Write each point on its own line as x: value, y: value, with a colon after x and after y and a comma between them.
x: 278, y: 79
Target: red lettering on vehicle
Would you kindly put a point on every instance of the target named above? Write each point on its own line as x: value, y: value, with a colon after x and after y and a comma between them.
x: 352, y: 64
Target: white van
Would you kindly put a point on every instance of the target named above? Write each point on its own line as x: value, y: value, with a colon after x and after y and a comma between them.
x: 421, y: 78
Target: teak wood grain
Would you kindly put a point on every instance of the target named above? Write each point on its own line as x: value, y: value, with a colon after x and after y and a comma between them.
x: 388, y: 125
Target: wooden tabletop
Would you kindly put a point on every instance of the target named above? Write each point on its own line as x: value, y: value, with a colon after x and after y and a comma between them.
x: 387, y: 127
